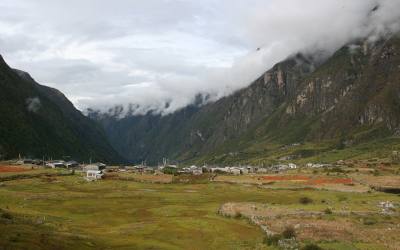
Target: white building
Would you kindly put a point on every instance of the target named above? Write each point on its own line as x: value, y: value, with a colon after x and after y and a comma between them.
x: 56, y: 164
x: 92, y: 175
x: 95, y: 166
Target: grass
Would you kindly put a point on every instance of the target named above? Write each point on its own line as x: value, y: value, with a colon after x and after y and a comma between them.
x: 66, y: 212
x: 113, y: 214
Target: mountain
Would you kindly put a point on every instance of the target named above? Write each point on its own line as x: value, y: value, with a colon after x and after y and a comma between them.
x: 301, y: 108
x: 39, y: 121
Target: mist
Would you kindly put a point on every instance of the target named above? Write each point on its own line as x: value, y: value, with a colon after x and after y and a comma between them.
x: 159, y: 55
x: 33, y: 104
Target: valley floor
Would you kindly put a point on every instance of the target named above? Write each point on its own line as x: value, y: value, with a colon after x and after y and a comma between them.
x: 53, y: 210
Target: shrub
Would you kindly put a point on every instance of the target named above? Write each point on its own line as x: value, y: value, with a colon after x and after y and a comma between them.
x: 369, y: 221
x: 311, y: 247
x: 289, y: 233
x: 328, y: 211
x: 272, y: 240
x: 336, y: 170
x: 237, y: 215
x: 6, y: 215
x: 305, y: 200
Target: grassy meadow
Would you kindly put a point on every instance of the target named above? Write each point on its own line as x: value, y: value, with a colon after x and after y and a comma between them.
x: 67, y: 212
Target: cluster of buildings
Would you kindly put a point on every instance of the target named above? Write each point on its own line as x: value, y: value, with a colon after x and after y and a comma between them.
x: 49, y: 164
x: 253, y: 169
x: 93, y: 171
x: 318, y: 165
x: 194, y: 170
x: 96, y: 170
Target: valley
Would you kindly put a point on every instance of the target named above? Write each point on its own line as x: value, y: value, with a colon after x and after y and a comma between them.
x: 200, y: 125
x: 58, y: 209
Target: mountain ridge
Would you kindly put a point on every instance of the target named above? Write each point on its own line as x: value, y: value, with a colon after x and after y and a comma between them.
x: 39, y: 121
x: 298, y: 100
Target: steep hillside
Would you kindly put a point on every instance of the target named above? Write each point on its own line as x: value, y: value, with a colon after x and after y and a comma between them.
x: 194, y: 131
x: 37, y: 121
x: 350, y: 98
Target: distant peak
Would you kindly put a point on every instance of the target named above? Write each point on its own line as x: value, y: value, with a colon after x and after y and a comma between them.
x: 2, y: 59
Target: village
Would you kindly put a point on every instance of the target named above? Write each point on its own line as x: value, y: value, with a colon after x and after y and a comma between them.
x: 96, y: 170
x: 345, y: 172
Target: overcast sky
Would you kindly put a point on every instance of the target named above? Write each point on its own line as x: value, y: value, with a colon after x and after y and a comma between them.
x: 102, y: 53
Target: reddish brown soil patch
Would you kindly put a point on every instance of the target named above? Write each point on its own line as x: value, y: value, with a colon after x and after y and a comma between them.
x: 12, y: 169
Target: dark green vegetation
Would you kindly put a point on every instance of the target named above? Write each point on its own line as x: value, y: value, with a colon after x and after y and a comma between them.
x: 38, y: 121
x: 345, y: 106
x: 272, y: 240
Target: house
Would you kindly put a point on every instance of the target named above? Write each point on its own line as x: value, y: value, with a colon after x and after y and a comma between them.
x: 252, y: 169
x: 227, y: 170
x: 95, y: 166
x: 244, y: 170
x: 218, y: 170
x: 235, y: 171
x: 198, y: 171
x: 72, y: 164
x: 194, y: 170
x: 148, y: 170
x: 292, y: 166
x: 112, y: 168
x: 24, y: 161
x: 318, y: 165
x: 262, y: 170
x: 135, y: 169
x: 92, y: 175
x: 55, y: 164
x: 37, y: 162
x: 280, y: 167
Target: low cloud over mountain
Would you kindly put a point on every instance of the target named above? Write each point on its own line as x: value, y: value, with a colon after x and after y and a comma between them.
x: 160, y: 54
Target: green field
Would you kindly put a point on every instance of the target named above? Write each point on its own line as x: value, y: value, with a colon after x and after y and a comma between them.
x: 67, y: 212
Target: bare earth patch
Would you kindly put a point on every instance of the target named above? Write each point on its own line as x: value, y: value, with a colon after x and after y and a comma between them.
x: 383, y: 181
x: 297, y: 182
x: 315, y: 225
x: 149, y: 178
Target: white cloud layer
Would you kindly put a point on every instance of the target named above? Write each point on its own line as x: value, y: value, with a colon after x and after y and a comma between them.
x: 104, y: 53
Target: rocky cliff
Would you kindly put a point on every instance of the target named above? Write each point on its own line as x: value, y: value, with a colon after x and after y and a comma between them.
x: 350, y: 97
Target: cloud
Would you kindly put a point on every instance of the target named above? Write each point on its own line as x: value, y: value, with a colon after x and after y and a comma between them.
x: 33, y: 104
x: 159, y: 54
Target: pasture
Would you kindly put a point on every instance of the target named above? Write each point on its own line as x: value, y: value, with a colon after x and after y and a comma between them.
x: 67, y: 212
